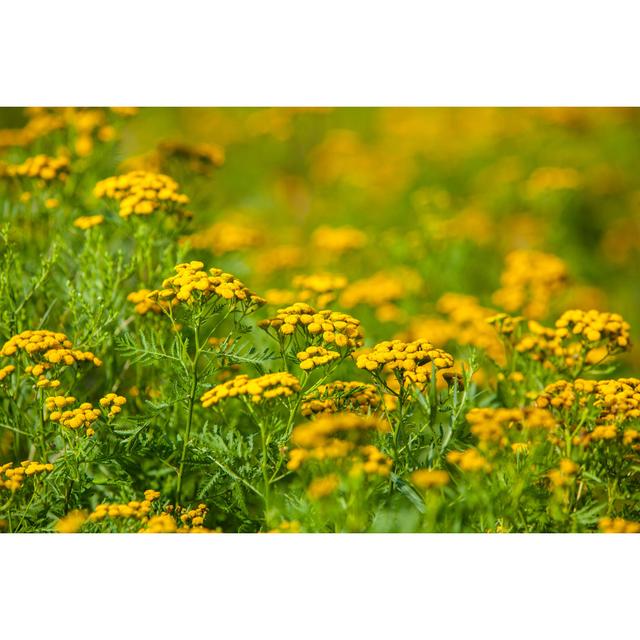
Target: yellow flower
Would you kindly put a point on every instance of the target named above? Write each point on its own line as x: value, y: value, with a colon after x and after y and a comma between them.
x: 428, y: 478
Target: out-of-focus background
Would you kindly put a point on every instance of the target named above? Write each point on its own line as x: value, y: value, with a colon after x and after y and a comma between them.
x: 529, y: 211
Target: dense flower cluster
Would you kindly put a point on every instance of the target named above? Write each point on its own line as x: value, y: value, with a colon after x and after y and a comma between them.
x: 413, y: 363
x: 12, y: 478
x: 529, y: 282
x: 6, y: 371
x: 613, y: 403
x: 316, y: 356
x: 71, y: 522
x: 47, y: 349
x: 87, y: 222
x: 469, y: 460
x: 323, y: 486
x: 565, y: 473
x: 493, y: 424
x: 138, y: 509
x: 333, y: 327
x: 142, y: 193
x: 341, y: 435
x: 618, y: 525
x: 42, y: 167
x: 113, y: 402
x: 144, y: 304
x: 82, y: 417
x: 192, y: 284
x: 428, y: 478
x: 579, y: 338
x: 267, y: 387
x: 337, y: 396
x: 465, y: 322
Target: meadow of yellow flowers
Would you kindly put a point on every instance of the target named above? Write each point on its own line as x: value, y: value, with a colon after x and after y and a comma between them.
x: 319, y: 320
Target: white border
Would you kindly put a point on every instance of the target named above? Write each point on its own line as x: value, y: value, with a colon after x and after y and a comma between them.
x: 325, y: 52
x: 319, y: 586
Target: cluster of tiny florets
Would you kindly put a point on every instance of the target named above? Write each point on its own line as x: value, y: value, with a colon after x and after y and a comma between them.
x: 332, y: 327
x: 490, y: 424
x: 142, y: 193
x: 267, y: 387
x: 341, y: 435
x: 316, y: 356
x: 88, y: 222
x: 412, y: 362
x: 47, y: 350
x: 41, y: 167
x: 138, y: 509
x: 12, y: 478
x: 529, y: 281
x: 351, y: 396
x: 192, y: 284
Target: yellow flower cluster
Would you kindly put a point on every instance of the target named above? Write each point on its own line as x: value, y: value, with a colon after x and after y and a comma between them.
x: 373, y: 462
x: 465, y: 322
x: 87, y: 222
x: 225, y: 237
x: 618, y: 525
x: 315, y: 356
x: 428, y: 478
x: 323, y: 486
x: 529, y: 282
x: 412, y: 362
x: 142, y: 193
x: 341, y: 435
x: 564, y: 474
x: 48, y: 350
x: 614, y: 401
x: 469, y: 460
x: 190, y: 521
x: 267, y: 387
x: 332, y: 326
x: 6, y: 371
x: 144, y: 304
x: 191, y: 284
x: 355, y: 397
x: 12, y: 478
x: 71, y: 522
x: 338, y: 240
x: 135, y: 509
x: 319, y: 289
x: 43, y: 167
x: 493, y: 424
x: 579, y: 338
x: 83, y: 416
x: 113, y: 402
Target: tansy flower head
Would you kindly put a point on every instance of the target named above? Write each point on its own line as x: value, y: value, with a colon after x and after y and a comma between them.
x: 267, y: 387
x: 41, y: 167
x: 192, y: 284
x: 142, y: 193
x: 334, y: 397
x: 412, y: 362
x: 428, y: 478
x: 331, y: 327
x: 87, y: 222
